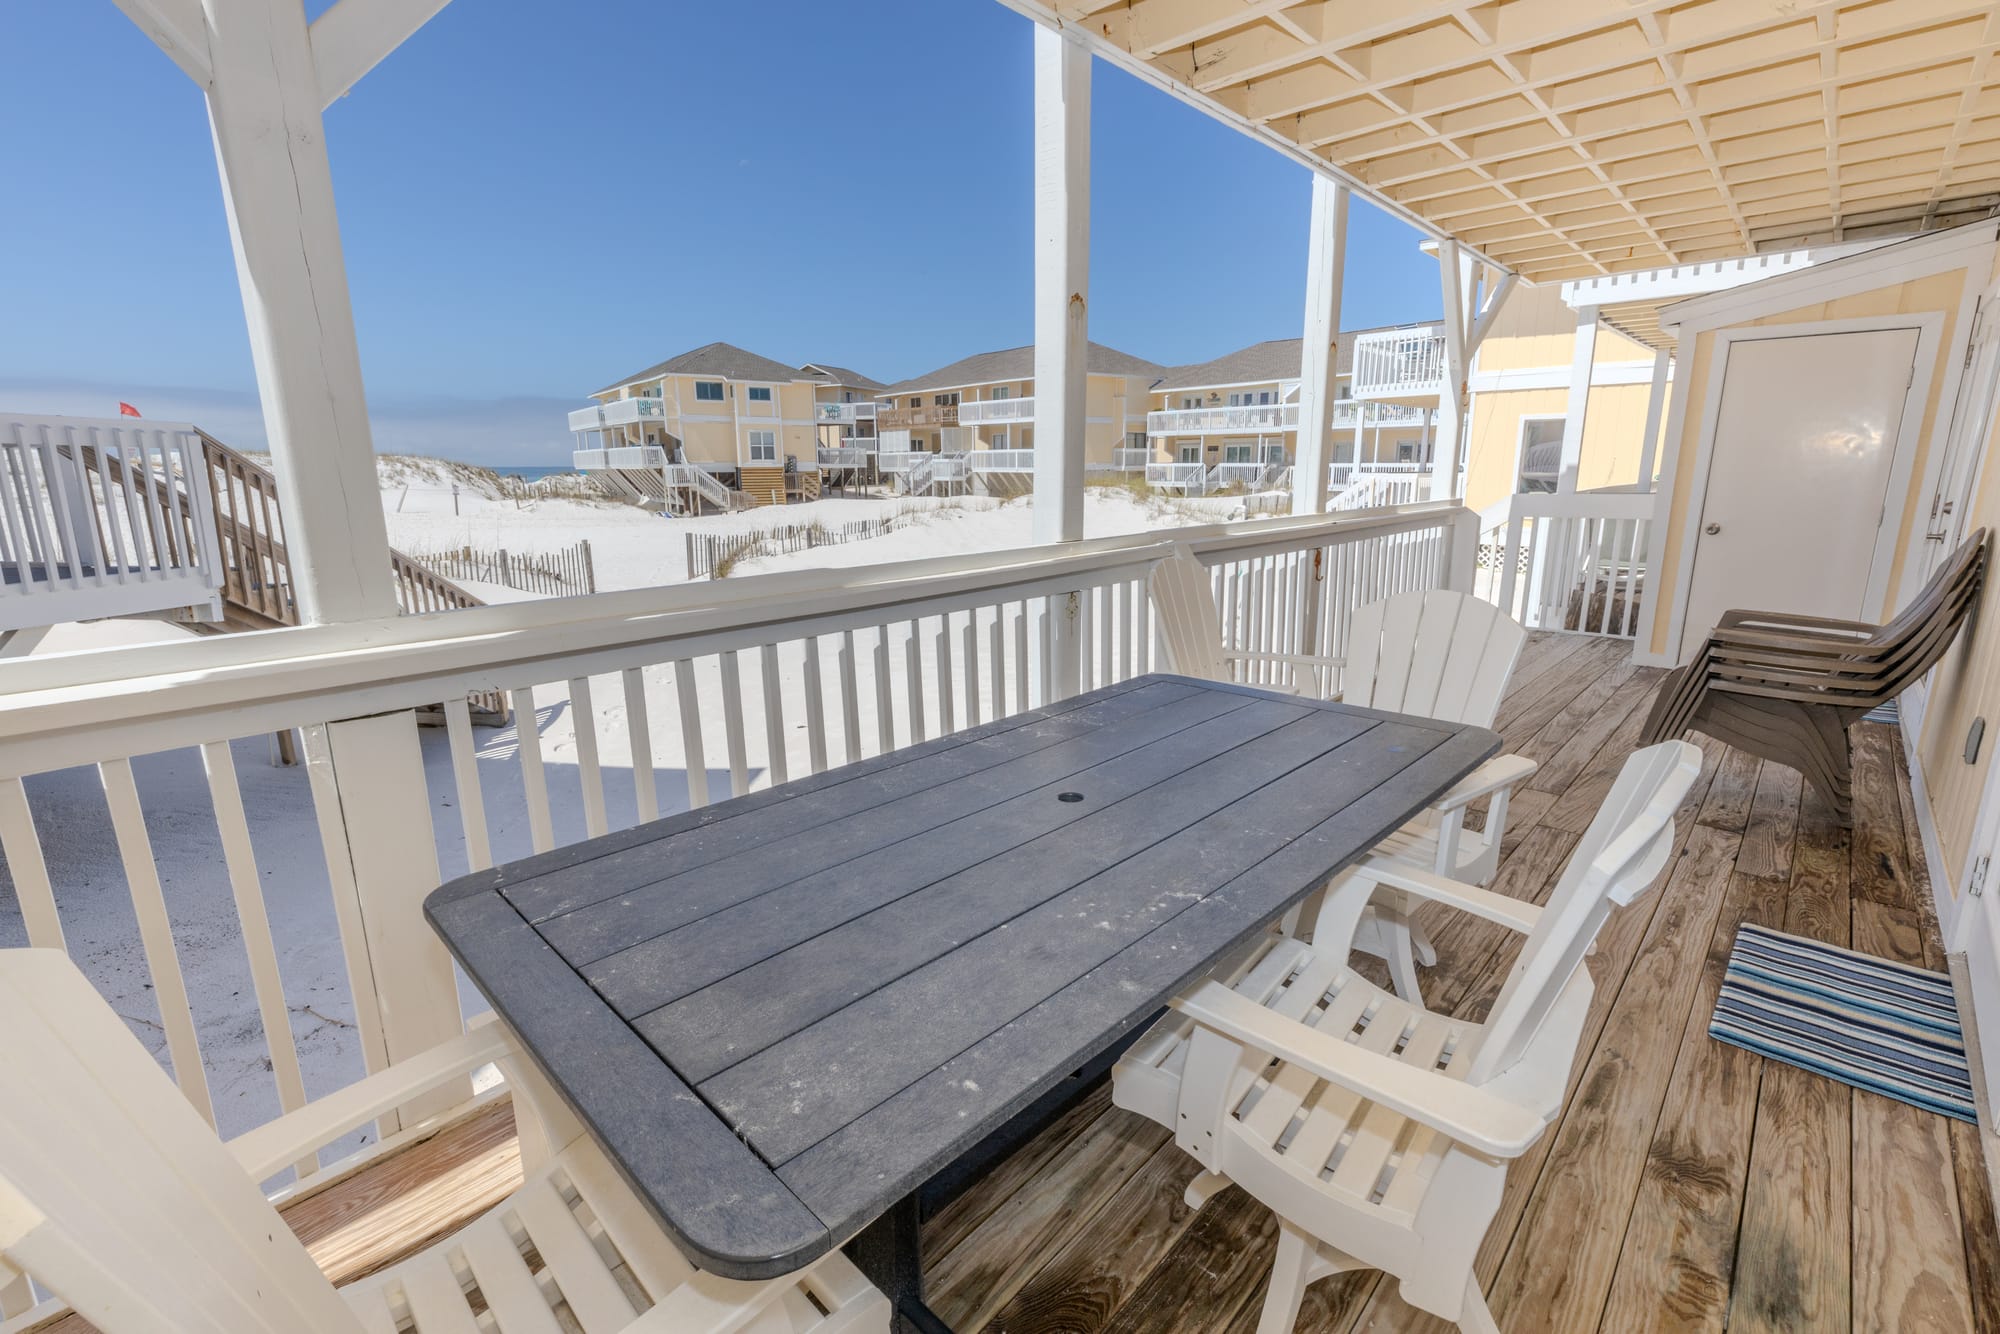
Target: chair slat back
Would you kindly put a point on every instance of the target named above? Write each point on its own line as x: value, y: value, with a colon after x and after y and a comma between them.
x: 1185, y: 616
x: 1619, y: 856
x: 1432, y: 652
x: 116, y: 1195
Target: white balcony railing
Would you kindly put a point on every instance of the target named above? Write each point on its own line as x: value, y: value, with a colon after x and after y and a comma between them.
x: 1176, y: 476
x: 1568, y: 562
x: 1399, y: 363
x: 1370, y: 490
x: 1224, y: 420
x: 899, y: 460
x: 845, y: 414
x: 996, y: 410
x: 102, y: 518
x: 1002, y: 460
x: 642, y: 457
x: 341, y: 852
x: 1130, y: 458
x: 846, y: 456
x: 619, y: 412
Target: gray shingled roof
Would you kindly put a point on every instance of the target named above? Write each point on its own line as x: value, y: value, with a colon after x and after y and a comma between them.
x: 840, y: 375
x: 724, y: 361
x: 1018, y: 363
x: 1278, y: 359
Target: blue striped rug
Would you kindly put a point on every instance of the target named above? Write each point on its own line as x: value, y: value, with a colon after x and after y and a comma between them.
x: 1867, y: 1022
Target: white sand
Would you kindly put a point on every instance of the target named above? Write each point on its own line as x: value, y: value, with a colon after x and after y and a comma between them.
x: 631, y: 549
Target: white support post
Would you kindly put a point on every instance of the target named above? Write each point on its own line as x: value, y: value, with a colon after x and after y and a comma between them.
x: 1453, y: 275
x: 1062, y: 281
x: 1656, y: 401
x: 264, y: 108
x: 1326, y: 252
x: 1062, y: 317
x: 1582, y: 359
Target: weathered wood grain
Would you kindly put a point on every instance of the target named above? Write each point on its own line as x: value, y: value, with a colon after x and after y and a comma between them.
x: 1772, y: 829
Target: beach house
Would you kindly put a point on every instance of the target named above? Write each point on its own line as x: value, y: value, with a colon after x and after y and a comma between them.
x: 714, y: 417
x: 940, y: 945
x: 978, y: 415
x: 1234, y: 420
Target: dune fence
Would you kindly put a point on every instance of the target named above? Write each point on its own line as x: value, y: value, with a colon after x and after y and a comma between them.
x: 564, y: 573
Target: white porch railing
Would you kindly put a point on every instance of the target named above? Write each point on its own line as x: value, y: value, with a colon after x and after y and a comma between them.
x: 293, y: 949
x: 1128, y: 459
x: 1253, y: 476
x: 1001, y: 460
x: 1399, y: 363
x: 899, y: 460
x: 627, y: 456
x: 845, y: 456
x: 1176, y: 476
x: 929, y: 471
x: 1573, y: 561
x: 1370, y: 490
x: 99, y: 518
x: 1217, y: 421
x: 846, y: 414
x: 996, y: 410
x: 618, y: 412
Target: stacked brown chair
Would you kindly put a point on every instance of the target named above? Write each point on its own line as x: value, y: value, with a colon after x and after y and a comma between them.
x: 1786, y: 688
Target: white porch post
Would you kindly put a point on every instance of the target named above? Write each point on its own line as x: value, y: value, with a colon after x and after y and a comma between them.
x: 1656, y: 400
x: 1062, y: 281
x: 264, y: 104
x: 1325, y: 254
x: 1454, y: 274
x: 1062, y: 311
x: 1582, y: 359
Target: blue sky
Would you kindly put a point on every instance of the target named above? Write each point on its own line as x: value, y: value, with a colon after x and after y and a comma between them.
x: 519, y: 229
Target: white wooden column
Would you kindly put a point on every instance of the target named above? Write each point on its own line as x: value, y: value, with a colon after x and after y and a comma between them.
x: 1583, y: 358
x: 1656, y: 400
x: 1326, y: 251
x: 1062, y: 281
x: 264, y: 103
x: 1454, y: 275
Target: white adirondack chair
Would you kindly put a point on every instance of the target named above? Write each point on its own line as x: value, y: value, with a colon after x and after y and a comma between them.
x: 119, y: 1198
x: 1431, y: 652
x: 1380, y: 1132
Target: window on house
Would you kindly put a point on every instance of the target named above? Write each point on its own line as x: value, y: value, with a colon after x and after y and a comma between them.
x: 1003, y: 391
x: 916, y: 402
x: 760, y: 393
x: 1343, y: 393
x: 1263, y: 396
x: 945, y: 400
x: 1190, y: 402
x: 708, y: 391
x: 1135, y: 440
x: 1190, y: 454
x: 763, y: 446
x: 1238, y: 453
x: 1235, y: 400
x: 1541, y: 453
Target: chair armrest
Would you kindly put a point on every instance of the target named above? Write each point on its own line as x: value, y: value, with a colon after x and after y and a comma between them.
x: 1497, y: 908
x: 1299, y: 659
x: 1500, y: 772
x: 303, y: 1131
x: 1470, y: 1115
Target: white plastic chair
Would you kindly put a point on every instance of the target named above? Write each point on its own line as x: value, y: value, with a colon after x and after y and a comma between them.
x: 1432, y: 652
x: 1380, y: 1132
x: 119, y: 1198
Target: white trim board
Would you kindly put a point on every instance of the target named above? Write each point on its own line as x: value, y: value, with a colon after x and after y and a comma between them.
x: 1558, y: 377
x: 1930, y: 329
x: 1943, y: 900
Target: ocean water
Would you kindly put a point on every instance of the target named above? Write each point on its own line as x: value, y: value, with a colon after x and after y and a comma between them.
x: 527, y: 472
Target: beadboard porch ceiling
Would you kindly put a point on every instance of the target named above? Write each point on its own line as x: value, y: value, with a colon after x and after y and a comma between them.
x: 1569, y: 138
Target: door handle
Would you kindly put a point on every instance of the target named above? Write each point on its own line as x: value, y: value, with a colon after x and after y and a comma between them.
x: 1713, y: 529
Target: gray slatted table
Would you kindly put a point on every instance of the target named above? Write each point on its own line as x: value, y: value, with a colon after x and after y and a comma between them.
x: 783, y: 1014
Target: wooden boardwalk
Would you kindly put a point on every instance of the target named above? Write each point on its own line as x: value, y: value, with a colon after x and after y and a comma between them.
x: 1688, y: 1185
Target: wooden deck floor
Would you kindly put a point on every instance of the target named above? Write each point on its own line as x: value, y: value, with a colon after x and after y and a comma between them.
x: 1688, y: 1185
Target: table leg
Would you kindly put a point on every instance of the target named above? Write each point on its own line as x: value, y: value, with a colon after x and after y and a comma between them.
x: 890, y: 1252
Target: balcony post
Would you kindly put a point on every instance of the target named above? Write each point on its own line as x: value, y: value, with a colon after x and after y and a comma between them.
x: 1325, y: 257
x: 264, y: 100
x: 1656, y: 399
x: 1583, y: 358
x: 1455, y: 277
x: 1062, y: 315
x: 1062, y: 280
